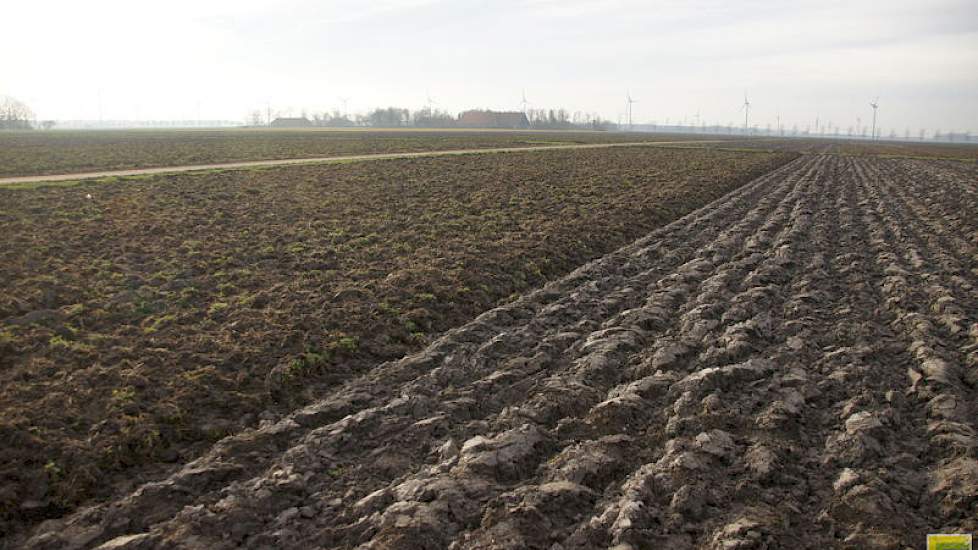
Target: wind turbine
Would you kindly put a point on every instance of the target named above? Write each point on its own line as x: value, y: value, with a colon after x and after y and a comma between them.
x: 629, y: 100
x: 524, y: 103
x: 746, y: 108
x: 875, y: 105
x: 430, y: 102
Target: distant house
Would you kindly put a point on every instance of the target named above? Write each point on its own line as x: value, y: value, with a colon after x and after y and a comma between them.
x: 298, y: 122
x: 493, y: 119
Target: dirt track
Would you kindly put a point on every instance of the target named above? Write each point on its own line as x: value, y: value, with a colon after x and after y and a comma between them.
x: 320, y: 160
x: 794, y: 365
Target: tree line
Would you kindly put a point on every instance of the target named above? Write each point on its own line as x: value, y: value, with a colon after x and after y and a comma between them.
x: 427, y: 117
x: 15, y: 115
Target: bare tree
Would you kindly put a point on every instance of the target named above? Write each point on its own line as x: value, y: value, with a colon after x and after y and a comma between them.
x: 427, y: 117
x: 337, y: 119
x: 390, y: 117
x: 14, y: 114
x: 255, y: 118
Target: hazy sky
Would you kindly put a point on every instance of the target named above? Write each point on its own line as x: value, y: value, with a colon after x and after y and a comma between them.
x: 825, y: 58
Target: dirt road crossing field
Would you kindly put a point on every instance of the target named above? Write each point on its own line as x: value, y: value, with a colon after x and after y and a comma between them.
x: 253, y: 164
x: 793, y: 365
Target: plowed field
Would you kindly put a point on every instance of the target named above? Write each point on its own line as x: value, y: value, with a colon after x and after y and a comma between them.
x: 143, y: 320
x: 60, y: 152
x: 794, y: 365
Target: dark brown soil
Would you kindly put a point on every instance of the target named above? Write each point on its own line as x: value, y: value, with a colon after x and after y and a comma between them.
x: 792, y: 366
x: 65, y: 152
x: 143, y: 320
x: 886, y: 149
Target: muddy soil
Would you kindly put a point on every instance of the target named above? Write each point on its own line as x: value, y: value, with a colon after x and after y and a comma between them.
x: 793, y: 365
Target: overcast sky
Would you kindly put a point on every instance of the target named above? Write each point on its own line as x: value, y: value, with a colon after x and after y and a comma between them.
x: 802, y: 59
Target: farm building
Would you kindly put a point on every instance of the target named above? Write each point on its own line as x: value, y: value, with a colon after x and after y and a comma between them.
x: 297, y: 122
x: 493, y: 119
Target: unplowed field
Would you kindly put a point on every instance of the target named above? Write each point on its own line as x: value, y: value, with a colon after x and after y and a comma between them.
x: 141, y: 321
x: 68, y: 152
x: 792, y: 366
